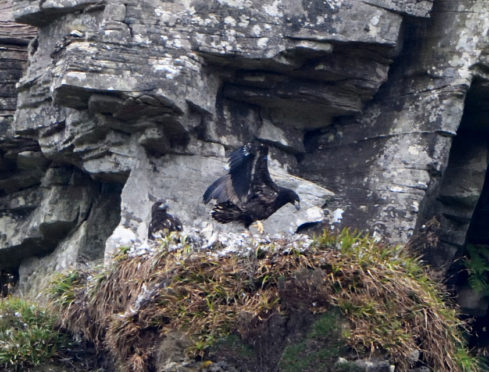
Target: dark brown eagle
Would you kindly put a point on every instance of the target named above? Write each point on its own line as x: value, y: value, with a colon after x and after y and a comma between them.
x: 247, y: 193
x: 162, y: 222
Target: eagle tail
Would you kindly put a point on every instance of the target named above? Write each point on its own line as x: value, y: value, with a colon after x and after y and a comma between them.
x: 227, y: 212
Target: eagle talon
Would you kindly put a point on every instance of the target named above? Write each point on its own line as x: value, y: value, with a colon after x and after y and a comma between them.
x: 259, y: 227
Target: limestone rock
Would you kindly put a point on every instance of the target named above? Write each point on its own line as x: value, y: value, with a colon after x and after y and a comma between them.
x: 151, y: 95
x: 39, y: 13
x: 34, y: 221
x: 401, y: 141
x: 80, y: 245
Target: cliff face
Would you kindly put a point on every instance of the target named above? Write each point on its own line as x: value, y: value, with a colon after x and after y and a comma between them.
x: 125, y: 104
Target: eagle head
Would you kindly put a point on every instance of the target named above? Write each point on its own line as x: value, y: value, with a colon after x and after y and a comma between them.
x: 288, y: 196
x: 159, y: 205
x: 296, y: 201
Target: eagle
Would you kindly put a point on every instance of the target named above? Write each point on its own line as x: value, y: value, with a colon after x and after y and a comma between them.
x: 247, y: 193
x: 162, y: 222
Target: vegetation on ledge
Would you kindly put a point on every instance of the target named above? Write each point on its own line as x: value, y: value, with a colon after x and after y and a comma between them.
x: 28, y: 335
x: 382, y: 301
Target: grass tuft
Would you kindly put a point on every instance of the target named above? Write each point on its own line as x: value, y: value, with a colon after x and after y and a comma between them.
x: 477, y: 264
x: 386, y: 297
x: 28, y: 335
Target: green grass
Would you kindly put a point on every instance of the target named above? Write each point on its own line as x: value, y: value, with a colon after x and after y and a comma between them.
x: 62, y: 287
x: 393, y: 303
x: 28, y: 335
x: 477, y: 264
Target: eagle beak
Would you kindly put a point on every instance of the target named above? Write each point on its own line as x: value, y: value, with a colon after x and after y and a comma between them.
x: 297, y: 204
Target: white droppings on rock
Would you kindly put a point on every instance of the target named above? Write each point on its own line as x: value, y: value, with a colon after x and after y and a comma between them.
x: 422, y: 185
x: 315, y: 214
x: 230, y: 21
x: 374, y: 21
x: 396, y: 189
x: 170, y: 71
x: 140, y: 39
x: 74, y: 76
x: 333, y: 4
x: 273, y: 9
x: 159, y: 12
x: 221, y: 244
x: 244, y: 21
x: 256, y: 31
x: 413, y: 150
x: 338, y: 215
x: 139, y: 249
x: 121, y: 237
x: 240, y: 4
x: 262, y: 42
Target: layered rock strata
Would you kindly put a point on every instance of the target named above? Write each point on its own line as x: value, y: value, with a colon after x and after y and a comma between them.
x: 360, y: 97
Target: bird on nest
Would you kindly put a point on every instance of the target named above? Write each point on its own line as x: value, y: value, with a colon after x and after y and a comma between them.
x: 247, y: 193
x: 162, y: 222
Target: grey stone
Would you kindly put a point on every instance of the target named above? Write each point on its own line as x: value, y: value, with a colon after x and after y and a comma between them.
x: 387, y: 164
x: 82, y: 246
x: 57, y: 176
x: 20, y: 180
x: 104, y: 104
x: 39, y: 12
x: 155, y: 141
x: 281, y: 136
x: 412, y: 7
x: 472, y: 302
x: 150, y: 95
x: 31, y: 159
x: 370, y: 365
x: 108, y: 81
x: 147, y: 95
x: 313, y: 198
x: 14, y: 35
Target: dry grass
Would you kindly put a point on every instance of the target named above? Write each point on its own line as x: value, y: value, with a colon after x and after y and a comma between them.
x: 392, y: 306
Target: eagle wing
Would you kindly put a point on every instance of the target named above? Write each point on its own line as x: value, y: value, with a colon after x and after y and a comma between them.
x: 242, y: 165
x: 221, y: 191
x: 248, y: 178
x: 234, y: 186
x: 262, y: 185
